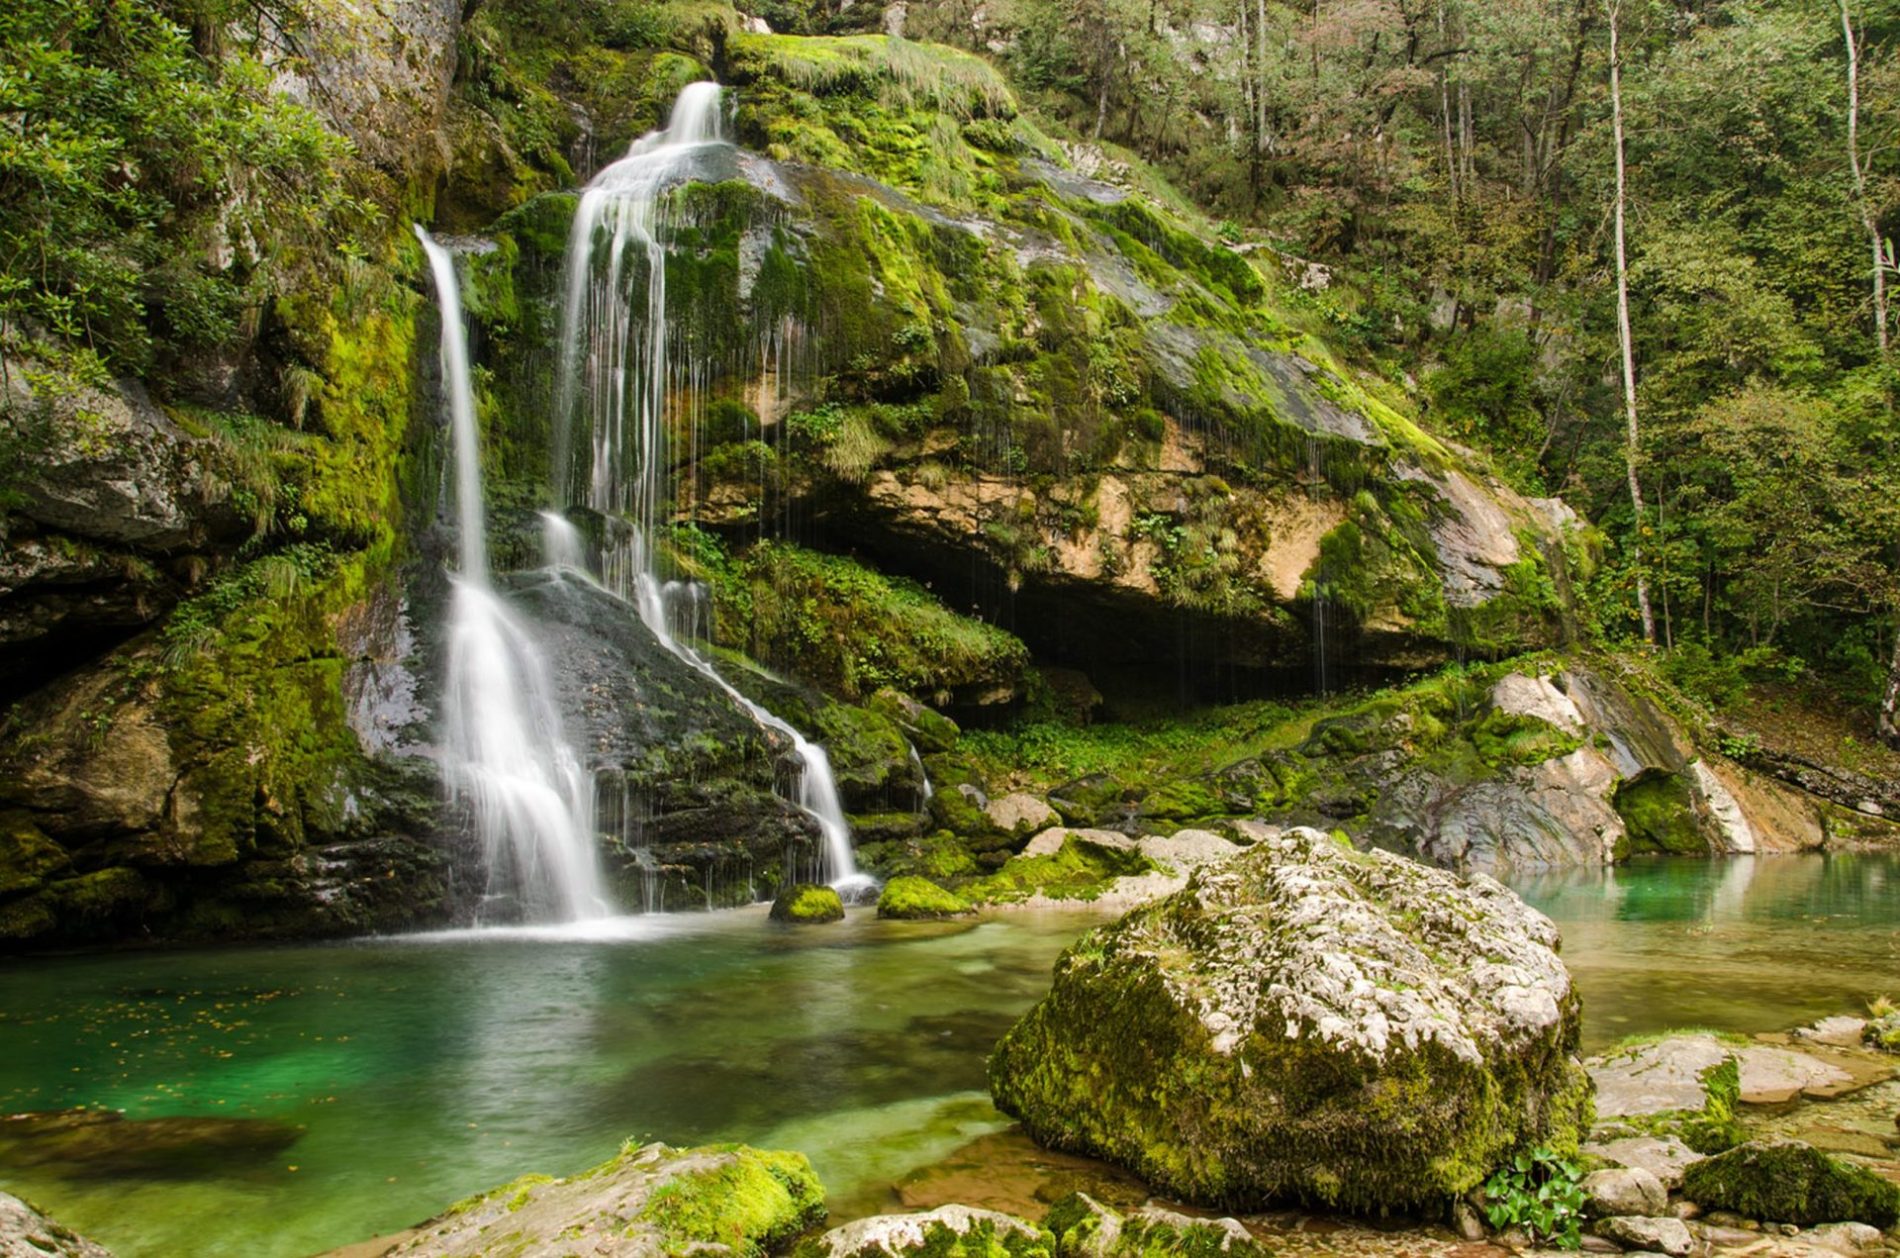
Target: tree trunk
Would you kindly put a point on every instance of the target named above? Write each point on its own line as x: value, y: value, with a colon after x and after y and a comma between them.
x: 1633, y: 439
x: 1890, y: 704
x: 1861, y: 200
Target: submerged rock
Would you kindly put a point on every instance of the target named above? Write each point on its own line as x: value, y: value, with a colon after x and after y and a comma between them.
x: 26, y: 1233
x: 1786, y: 1181
x: 650, y: 1200
x: 808, y: 904
x: 1306, y: 1022
x: 951, y: 1231
x: 105, y: 1144
x: 914, y: 897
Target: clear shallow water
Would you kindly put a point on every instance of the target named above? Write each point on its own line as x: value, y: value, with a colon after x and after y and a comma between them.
x: 424, y: 1069
x: 429, y: 1068
x: 1746, y: 944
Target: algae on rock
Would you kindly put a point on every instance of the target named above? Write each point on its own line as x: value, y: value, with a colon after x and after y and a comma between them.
x: 1307, y: 1023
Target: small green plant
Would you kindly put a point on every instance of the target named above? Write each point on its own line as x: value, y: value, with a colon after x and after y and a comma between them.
x: 1739, y: 746
x: 1541, y: 1193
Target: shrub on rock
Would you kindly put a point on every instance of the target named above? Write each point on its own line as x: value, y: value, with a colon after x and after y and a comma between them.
x: 808, y: 904
x: 1307, y: 1023
x: 1786, y: 1181
x: 914, y: 897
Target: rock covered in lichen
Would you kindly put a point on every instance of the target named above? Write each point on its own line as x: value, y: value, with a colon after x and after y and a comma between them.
x: 719, y: 1201
x: 808, y: 904
x: 26, y: 1233
x: 1307, y: 1022
x: 952, y: 1231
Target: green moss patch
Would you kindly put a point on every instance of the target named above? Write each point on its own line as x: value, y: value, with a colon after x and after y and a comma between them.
x: 1078, y: 870
x: 1791, y: 1182
x: 1658, y: 811
x: 913, y: 897
x: 808, y: 904
x: 753, y: 1203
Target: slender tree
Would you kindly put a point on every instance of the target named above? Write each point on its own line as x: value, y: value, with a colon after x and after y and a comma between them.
x: 1633, y: 439
x: 1861, y: 199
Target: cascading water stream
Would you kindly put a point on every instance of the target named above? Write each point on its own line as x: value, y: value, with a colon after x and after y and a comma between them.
x: 616, y: 376
x: 503, y: 744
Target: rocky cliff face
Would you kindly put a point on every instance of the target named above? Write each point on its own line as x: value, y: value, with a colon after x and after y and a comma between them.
x: 973, y: 381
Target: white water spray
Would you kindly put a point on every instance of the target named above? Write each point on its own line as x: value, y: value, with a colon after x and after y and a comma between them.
x: 502, y: 740
x: 616, y: 376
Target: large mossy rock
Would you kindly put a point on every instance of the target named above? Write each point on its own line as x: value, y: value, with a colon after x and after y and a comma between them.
x: 1786, y: 1181
x: 719, y: 1200
x: 1307, y: 1023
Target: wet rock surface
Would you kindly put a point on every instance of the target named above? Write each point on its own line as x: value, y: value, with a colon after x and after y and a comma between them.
x: 26, y: 1233
x: 1306, y: 1022
x: 649, y: 1201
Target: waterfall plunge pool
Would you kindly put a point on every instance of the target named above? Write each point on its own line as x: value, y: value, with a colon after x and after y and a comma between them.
x: 426, y: 1068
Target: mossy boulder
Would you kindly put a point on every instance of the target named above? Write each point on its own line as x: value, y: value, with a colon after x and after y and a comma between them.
x: 1080, y: 869
x: 1307, y: 1023
x: 1085, y: 1228
x: 929, y: 731
x: 1786, y: 1181
x: 808, y: 904
x: 952, y: 1231
x: 1658, y: 811
x: 719, y: 1200
x: 914, y: 897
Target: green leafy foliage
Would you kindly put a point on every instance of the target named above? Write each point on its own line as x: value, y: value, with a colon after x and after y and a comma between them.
x: 149, y: 192
x: 1541, y: 1193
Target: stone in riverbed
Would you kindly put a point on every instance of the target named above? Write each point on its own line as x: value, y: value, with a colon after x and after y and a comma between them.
x: 1662, y: 1236
x: 952, y: 1231
x: 808, y: 904
x: 1665, y: 1157
x: 719, y: 1201
x: 1786, y: 1181
x: 1624, y: 1190
x: 26, y: 1233
x: 1020, y: 814
x: 1306, y: 1022
x: 1085, y: 1228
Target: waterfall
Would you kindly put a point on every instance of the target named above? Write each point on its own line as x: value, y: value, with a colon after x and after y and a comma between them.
x: 925, y: 790
x: 561, y: 543
x: 616, y: 378
x: 503, y: 746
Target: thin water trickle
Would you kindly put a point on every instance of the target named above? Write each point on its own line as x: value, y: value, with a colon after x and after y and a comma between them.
x: 616, y: 381
x: 503, y: 745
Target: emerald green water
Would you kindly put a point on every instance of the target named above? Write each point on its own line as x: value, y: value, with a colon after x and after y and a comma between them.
x: 1745, y: 944
x: 423, y: 1070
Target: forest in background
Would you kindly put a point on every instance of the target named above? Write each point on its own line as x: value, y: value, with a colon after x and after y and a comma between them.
x: 1440, y: 176
x: 1438, y: 180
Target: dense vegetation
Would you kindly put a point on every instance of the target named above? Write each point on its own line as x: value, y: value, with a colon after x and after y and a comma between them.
x: 1450, y: 166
